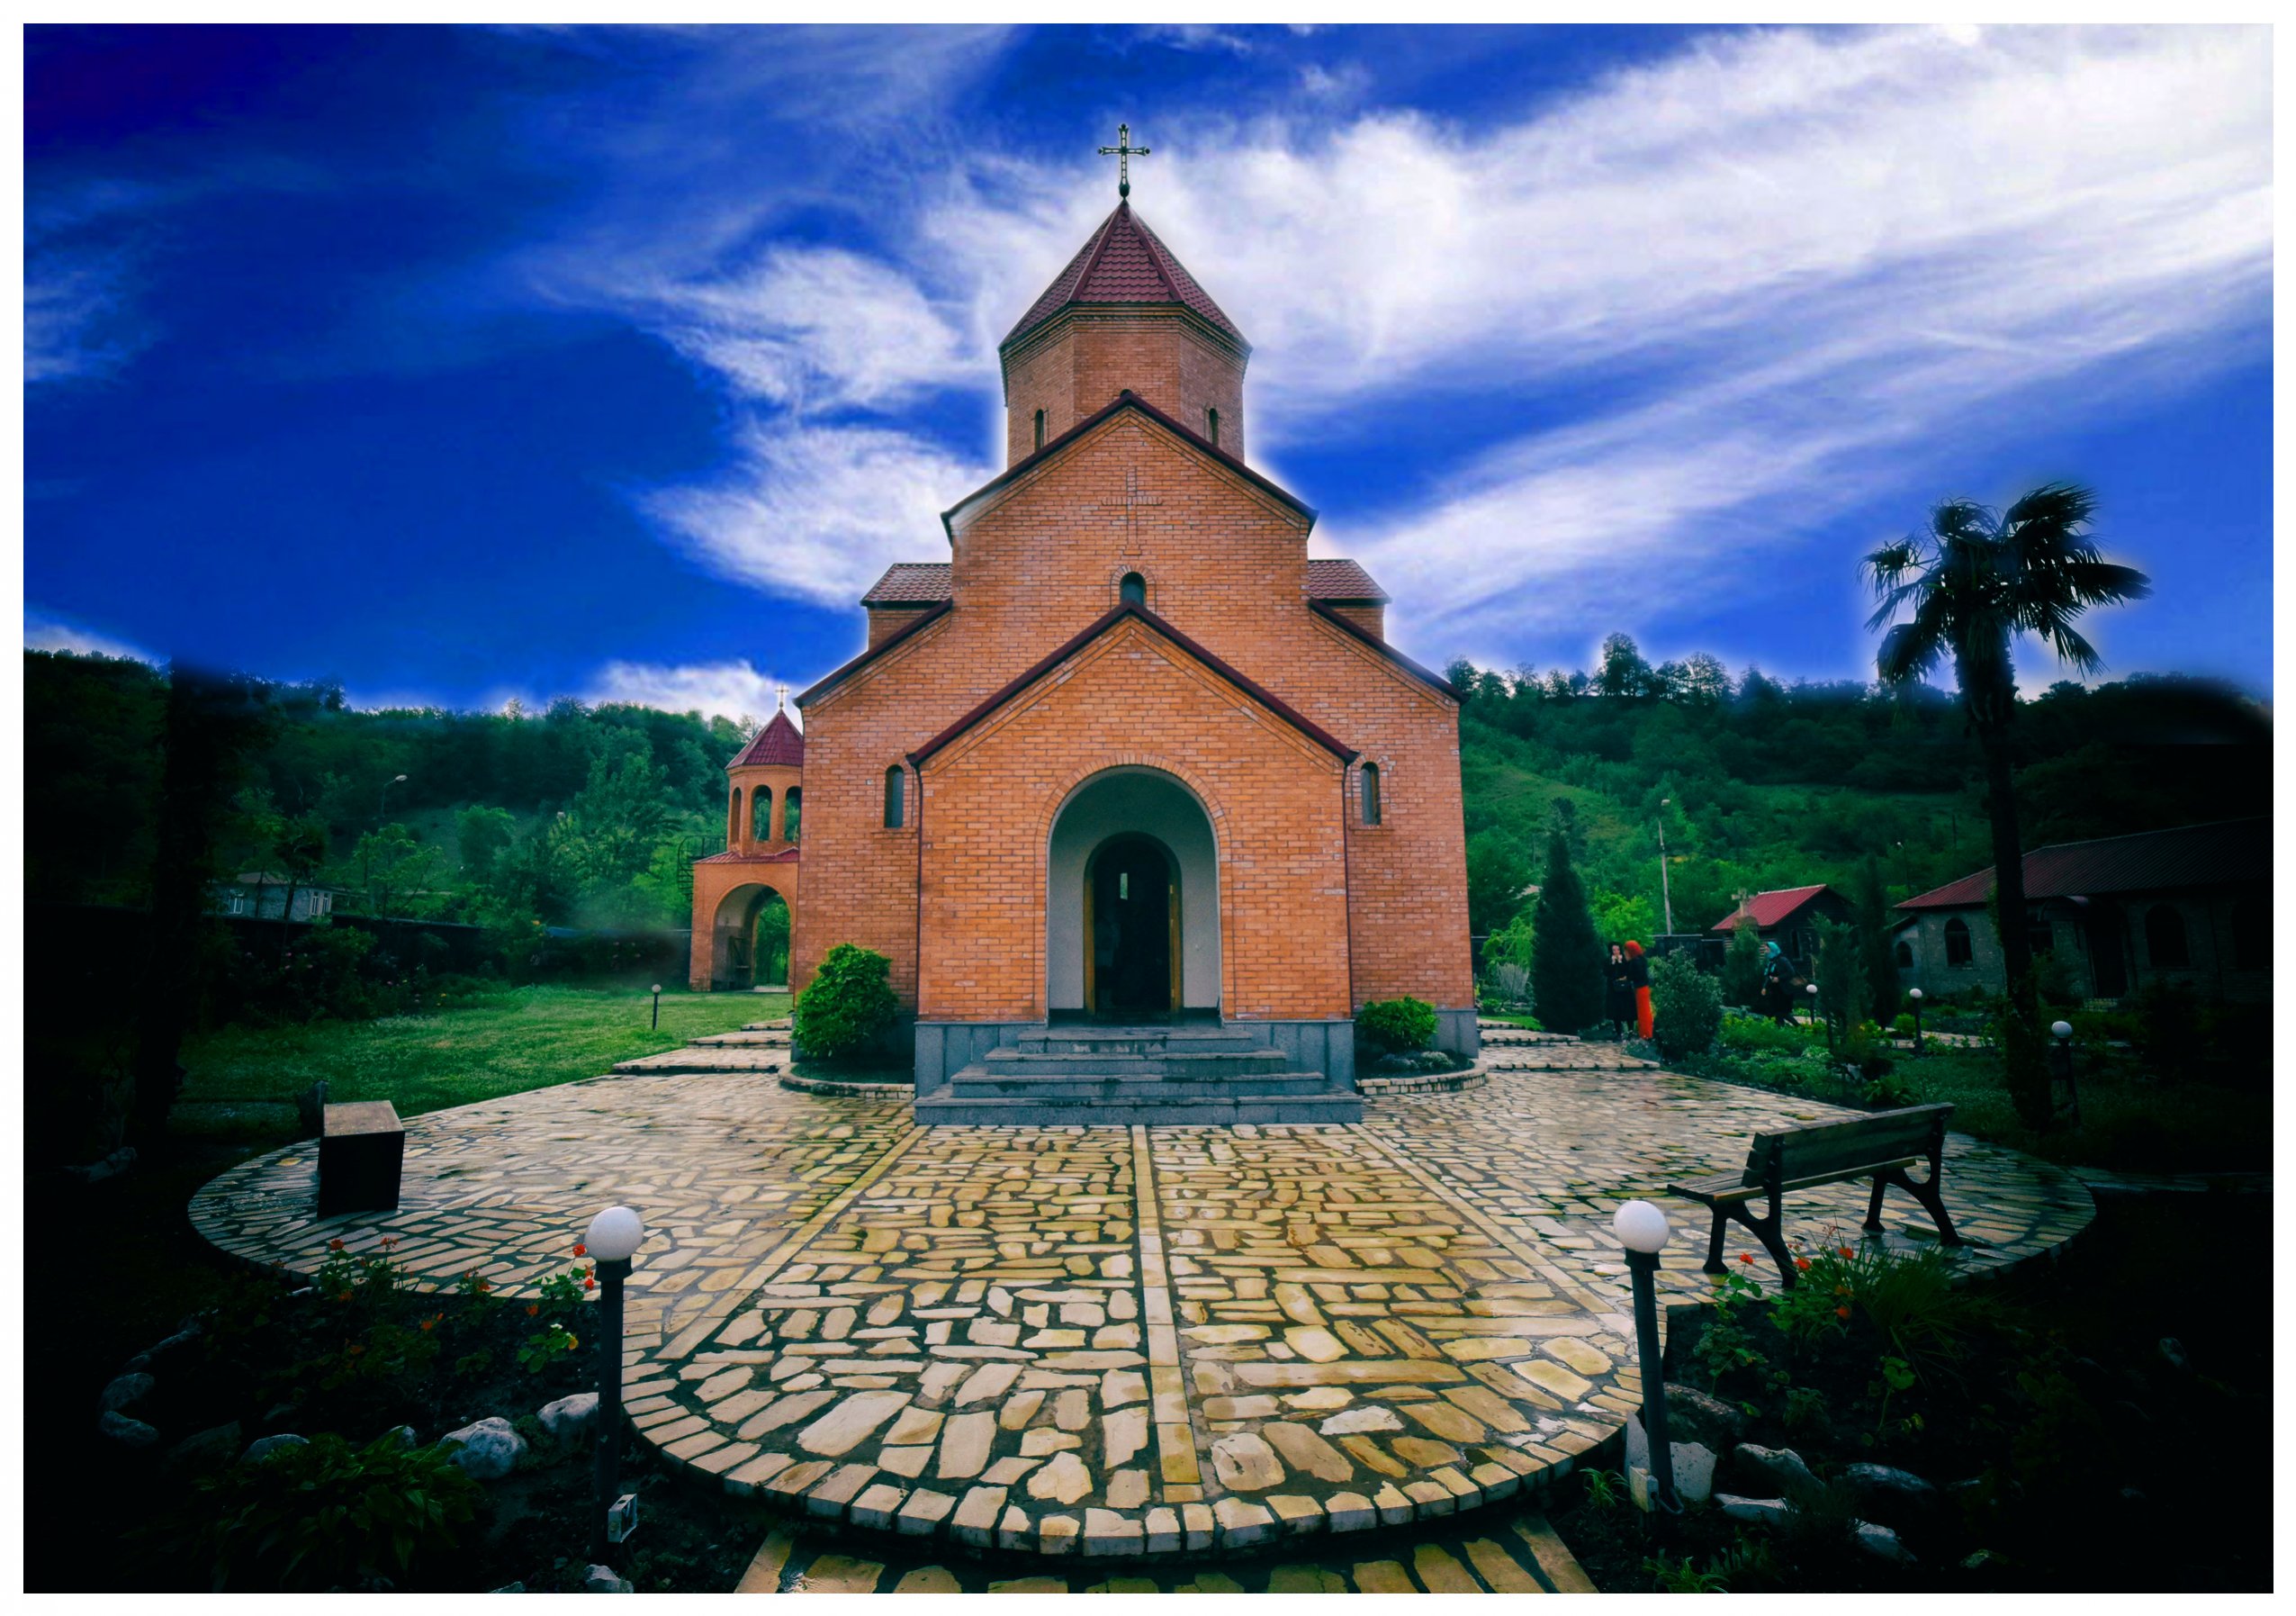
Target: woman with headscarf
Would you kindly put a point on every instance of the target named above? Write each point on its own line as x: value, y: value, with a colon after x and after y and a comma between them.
x: 1618, y: 995
x: 1778, y: 983
x: 1638, y: 982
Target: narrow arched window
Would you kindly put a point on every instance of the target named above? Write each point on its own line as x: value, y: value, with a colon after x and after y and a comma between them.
x: 1957, y: 941
x: 1906, y: 956
x: 762, y: 816
x: 1133, y: 590
x: 1211, y: 427
x: 734, y: 819
x: 896, y: 786
x: 1040, y: 429
x: 1370, y: 793
x: 789, y: 815
x: 2164, y: 942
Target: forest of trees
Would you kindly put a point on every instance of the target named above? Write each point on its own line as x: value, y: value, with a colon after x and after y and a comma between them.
x: 591, y: 817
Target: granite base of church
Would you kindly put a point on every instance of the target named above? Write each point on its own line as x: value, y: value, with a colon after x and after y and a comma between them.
x: 1031, y: 1074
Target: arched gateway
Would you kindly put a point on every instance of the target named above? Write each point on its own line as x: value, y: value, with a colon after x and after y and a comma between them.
x: 1132, y: 909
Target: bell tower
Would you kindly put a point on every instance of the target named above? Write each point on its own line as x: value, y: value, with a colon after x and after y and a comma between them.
x: 1124, y: 314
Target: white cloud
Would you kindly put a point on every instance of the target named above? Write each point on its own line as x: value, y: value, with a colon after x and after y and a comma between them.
x: 818, y: 512
x: 75, y: 322
x: 814, y: 329
x: 733, y: 689
x: 43, y: 632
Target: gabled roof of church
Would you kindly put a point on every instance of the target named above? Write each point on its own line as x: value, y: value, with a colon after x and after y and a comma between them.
x: 1124, y: 263
x: 1102, y: 625
x: 1336, y: 583
x: 779, y: 741
x: 1126, y: 400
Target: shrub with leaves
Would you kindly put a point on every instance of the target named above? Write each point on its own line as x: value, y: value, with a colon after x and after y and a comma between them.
x: 325, y: 1514
x: 847, y: 1007
x: 1397, y: 1024
x: 1686, y: 1007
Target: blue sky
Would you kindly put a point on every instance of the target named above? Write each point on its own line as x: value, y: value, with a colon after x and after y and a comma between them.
x: 461, y: 363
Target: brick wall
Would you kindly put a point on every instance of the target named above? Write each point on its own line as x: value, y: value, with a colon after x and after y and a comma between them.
x: 1227, y: 564
x: 1083, y: 358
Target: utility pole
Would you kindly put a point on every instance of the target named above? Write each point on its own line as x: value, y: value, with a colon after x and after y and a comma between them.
x: 1665, y: 891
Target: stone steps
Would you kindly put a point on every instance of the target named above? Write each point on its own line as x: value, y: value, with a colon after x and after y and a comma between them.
x: 1207, y: 1111
x: 978, y: 1081
x: 1189, y: 1066
x: 1096, y: 1075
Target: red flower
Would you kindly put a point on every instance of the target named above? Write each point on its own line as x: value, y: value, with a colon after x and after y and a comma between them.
x: 335, y: 1245
x: 1747, y: 1258
x: 1840, y: 1312
x: 344, y: 1297
x: 1803, y: 1263
x: 533, y: 1308
x: 389, y: 1240
x: 580, y: 1249
x: 588, y: 1283
x: 426, y: 1325
x: 1846, y: 1251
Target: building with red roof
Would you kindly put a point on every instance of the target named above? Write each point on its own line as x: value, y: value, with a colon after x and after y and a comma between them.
x: 2190, y: 906
x: 1789, y: 917
x: 1124, y: 752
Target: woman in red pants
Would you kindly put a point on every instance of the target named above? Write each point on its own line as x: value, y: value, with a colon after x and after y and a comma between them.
x: 1638, y: 972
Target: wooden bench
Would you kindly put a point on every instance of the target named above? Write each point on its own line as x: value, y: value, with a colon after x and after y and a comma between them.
x: 361, y: 1147
x: 1880, y: 1147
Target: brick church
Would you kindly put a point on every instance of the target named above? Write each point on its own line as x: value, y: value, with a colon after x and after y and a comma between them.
x: 1133, y: 793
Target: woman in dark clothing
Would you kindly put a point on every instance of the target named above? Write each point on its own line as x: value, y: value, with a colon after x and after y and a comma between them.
x: 1618, y: 992
x: 1778, y: 983
x: 1638, y: 987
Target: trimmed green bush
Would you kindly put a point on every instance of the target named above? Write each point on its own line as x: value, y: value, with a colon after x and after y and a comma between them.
x: 847, y: 1007
x: 328, y: 1515
x: 1686, y: 1007
x: 1397, y: 1024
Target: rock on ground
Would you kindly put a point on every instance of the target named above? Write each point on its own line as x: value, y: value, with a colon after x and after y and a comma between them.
x: 406, y: 1435
x: 1881, y: 1543
x: 1770, y: 1512
x: 205, y: 1451
x: 1696, y: 1416
x: 127, y: 1432
x: 569, y: 1417
x: 264, y: 1447
x: 601, y: 1579
x: 1781, y: 1466
x: 486, y: 1449
x: 1887, y: 1487
x: 125, y: 1391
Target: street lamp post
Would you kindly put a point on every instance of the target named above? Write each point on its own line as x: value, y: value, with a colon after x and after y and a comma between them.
x: 1641, y: 1230
x: 613, y: 1239
x: 382, y: 798
x: 657, y: 1007
x: 1916, y: 996
x: 2060, y: 1063
x: 1665, y: 893
x: 1812, y: 992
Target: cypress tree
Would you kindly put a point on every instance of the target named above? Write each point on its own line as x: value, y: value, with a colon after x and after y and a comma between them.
x: 1566, y: 957
x: 1874, y: 947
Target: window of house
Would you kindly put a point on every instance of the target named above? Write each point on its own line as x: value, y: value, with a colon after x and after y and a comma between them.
x: 734, y: 818
x: 2164, y: 942
x: 789, y: 815
x: 896, y: 787
x: 1370, y: 793
x: 1040, y: 429
x: 761, y: 816
x: 1211, y: 426
x: 1904, y: 954
x: 2251, y: 936
x: 1957, y: 941
x: 1133, y: 590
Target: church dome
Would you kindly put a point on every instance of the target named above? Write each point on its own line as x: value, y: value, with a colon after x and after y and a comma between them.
x: 1123, y: 263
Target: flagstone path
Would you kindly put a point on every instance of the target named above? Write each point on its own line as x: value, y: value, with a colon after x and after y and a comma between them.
x: 1109, y: 1340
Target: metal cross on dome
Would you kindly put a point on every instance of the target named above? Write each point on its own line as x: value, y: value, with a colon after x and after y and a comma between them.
x: 1123, y: 151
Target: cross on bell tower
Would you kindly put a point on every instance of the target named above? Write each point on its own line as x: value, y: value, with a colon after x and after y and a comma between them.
x: 1123, y: 151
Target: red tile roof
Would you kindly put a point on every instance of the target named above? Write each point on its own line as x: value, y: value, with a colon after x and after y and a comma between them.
x: 779, y: 741
x: 926, y: 584
x: 1768, y: 908
x: 788, y: 855
x: 1343, y: 582
x: 2225, y: 853
x: 1124, y: 263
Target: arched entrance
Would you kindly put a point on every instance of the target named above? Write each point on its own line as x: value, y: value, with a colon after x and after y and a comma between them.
x: 751, y: 948
x: 1132, y: 900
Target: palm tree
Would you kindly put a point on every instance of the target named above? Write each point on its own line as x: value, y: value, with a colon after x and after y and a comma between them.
x: 1972, y: 582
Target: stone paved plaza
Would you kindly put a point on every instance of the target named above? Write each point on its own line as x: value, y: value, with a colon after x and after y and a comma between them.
x: 1111, y: 1341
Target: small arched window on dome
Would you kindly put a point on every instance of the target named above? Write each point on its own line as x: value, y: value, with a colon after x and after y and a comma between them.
x: 734, y: 819
x: 1370, y: 793
x: 789, y: 815
x: 1132, y: 591
x: 1040, y: 429
x: 1211, y: 427
x: 897, y: 791
x: 762, y: 816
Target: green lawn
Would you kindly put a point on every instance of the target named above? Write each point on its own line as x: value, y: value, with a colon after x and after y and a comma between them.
x: 2129, y: 1122
x: 244, y: 1079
